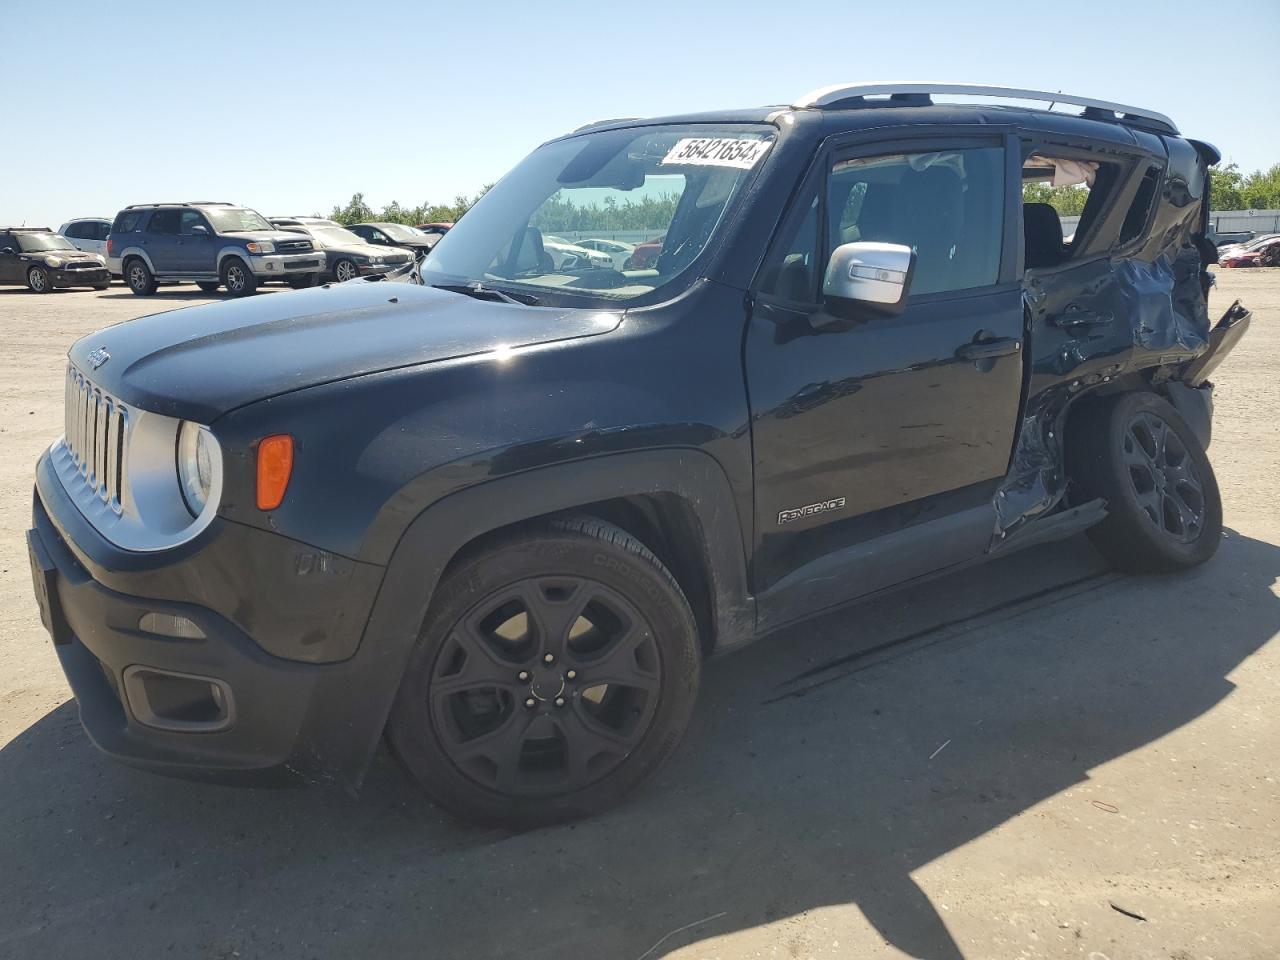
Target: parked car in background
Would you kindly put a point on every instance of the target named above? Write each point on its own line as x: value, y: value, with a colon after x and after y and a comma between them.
x: 645, y: 255
x: 1232, y: 239
x: 88, y: 234
x: 208, y: 243
x: 1262, y: 252
x: 347, y: 256
x: 617, y: 251
x: 44, y: 261
x: 395, y: 235
x: 571, y: 256
x: 435, y: 231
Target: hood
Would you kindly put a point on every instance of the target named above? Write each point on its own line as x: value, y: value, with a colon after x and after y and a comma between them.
x: 272, y: 235
x: 68, y: 256
x: 200, y: 362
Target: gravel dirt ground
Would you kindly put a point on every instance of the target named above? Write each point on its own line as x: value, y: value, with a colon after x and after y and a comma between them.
x: 1057, y: 761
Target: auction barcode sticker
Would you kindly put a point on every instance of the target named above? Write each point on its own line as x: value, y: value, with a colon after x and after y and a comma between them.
x: 717, y: 152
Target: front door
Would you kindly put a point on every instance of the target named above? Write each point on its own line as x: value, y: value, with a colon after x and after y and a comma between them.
x: 882, y: 444
x: 10, y: 264
x: 197, y: 251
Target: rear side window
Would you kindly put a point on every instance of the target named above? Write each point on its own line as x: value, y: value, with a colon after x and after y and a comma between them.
x: 946, y: 206
x: 1135, y: 221
x: 165, y: 222
x: 99, y: 230
x: 78, y: 231
x: 127, y: 221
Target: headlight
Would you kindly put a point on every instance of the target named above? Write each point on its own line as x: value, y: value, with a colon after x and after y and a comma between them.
x: 53, y: 261
x: 199, y: 459
x: 376, y: 259
x: 261, y: 246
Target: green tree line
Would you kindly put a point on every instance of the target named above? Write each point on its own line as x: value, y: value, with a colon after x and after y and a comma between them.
x: 1229, y: 189
x: 356, y: 210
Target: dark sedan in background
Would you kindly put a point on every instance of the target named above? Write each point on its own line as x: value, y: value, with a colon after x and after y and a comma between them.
x: 44, y: 260
x: 395, y: 235
x: 347, y: 255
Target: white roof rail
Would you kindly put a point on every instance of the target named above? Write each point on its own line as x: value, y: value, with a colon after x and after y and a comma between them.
x: 825, y: 96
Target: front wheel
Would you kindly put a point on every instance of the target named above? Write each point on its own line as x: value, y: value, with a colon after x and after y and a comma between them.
x: 1164, y: 511
x: 345, y: 270
x: 555, y: 672
x: 238, y: 278
x: 38, y: 280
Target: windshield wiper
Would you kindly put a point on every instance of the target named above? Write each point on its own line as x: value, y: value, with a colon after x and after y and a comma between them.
x: 481, y: 292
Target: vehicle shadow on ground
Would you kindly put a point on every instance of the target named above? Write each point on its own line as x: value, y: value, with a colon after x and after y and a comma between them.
x: 162, y: 294
x: 810, y: 777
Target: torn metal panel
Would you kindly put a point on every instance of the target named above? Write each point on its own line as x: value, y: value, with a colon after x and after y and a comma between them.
x: 1091, y: 323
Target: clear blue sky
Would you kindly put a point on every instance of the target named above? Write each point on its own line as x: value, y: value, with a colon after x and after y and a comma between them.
x: 292, y: 107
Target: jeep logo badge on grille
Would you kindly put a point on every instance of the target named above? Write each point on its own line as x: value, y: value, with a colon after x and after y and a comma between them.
x: 98, y: 357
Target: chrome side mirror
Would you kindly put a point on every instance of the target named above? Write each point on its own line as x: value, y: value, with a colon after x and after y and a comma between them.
x: 867, y: 277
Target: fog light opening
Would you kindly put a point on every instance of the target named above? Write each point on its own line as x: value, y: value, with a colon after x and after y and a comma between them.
x: 177, y: 701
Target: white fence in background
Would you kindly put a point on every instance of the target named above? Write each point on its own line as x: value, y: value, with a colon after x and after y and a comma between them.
x: 1234, y: 221
x: 1224, y: 221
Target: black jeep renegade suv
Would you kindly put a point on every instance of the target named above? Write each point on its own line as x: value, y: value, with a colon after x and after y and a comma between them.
x: 499, y: 514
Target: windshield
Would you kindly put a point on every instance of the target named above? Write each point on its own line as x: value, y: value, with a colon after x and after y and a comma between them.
x: 231, y: 219
x: 335, y: 237
x: 636, y: 185
x: 34, y: 242
x: 398, y: 232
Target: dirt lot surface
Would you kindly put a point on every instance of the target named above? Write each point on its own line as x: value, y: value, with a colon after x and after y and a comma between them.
x: 1058, y: 761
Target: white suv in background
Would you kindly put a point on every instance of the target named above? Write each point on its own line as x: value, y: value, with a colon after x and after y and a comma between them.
x: 88, y: 234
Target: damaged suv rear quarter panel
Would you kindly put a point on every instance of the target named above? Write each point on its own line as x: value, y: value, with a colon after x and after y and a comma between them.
x: 1121, y: 313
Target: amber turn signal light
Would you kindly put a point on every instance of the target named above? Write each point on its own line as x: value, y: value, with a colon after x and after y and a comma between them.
x: 275, y: 464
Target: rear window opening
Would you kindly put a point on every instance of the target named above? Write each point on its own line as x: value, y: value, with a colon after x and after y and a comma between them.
x: 1062, y: 197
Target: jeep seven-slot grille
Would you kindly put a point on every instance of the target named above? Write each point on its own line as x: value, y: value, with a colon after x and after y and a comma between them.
x: 96, y: 426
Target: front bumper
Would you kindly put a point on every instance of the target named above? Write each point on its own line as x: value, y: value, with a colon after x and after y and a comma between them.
x: 286, y: 265
x: 80, y: 278
x: 139, y: 692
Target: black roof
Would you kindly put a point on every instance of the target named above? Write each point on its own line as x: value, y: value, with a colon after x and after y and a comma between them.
x: 26, y: 229
x: 831, y: 120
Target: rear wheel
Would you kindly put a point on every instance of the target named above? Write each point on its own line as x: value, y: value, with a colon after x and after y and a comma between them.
x: 1164, y: 509
x: 38, y: 280
x: 208, y: 286
x: 238, y: 278
x: 555, y: 672
x: 139, y: 277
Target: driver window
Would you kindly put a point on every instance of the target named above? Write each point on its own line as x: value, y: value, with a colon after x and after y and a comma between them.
x: 191, y: 219
x: 946, y: 206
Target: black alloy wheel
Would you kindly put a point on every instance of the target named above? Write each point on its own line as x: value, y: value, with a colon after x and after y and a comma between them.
x: 556, y: 672
x: 1163, y: 476
x: 1137, y: 453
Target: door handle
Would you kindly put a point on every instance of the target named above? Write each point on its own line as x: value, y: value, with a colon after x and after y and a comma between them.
x: 989, y: 349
